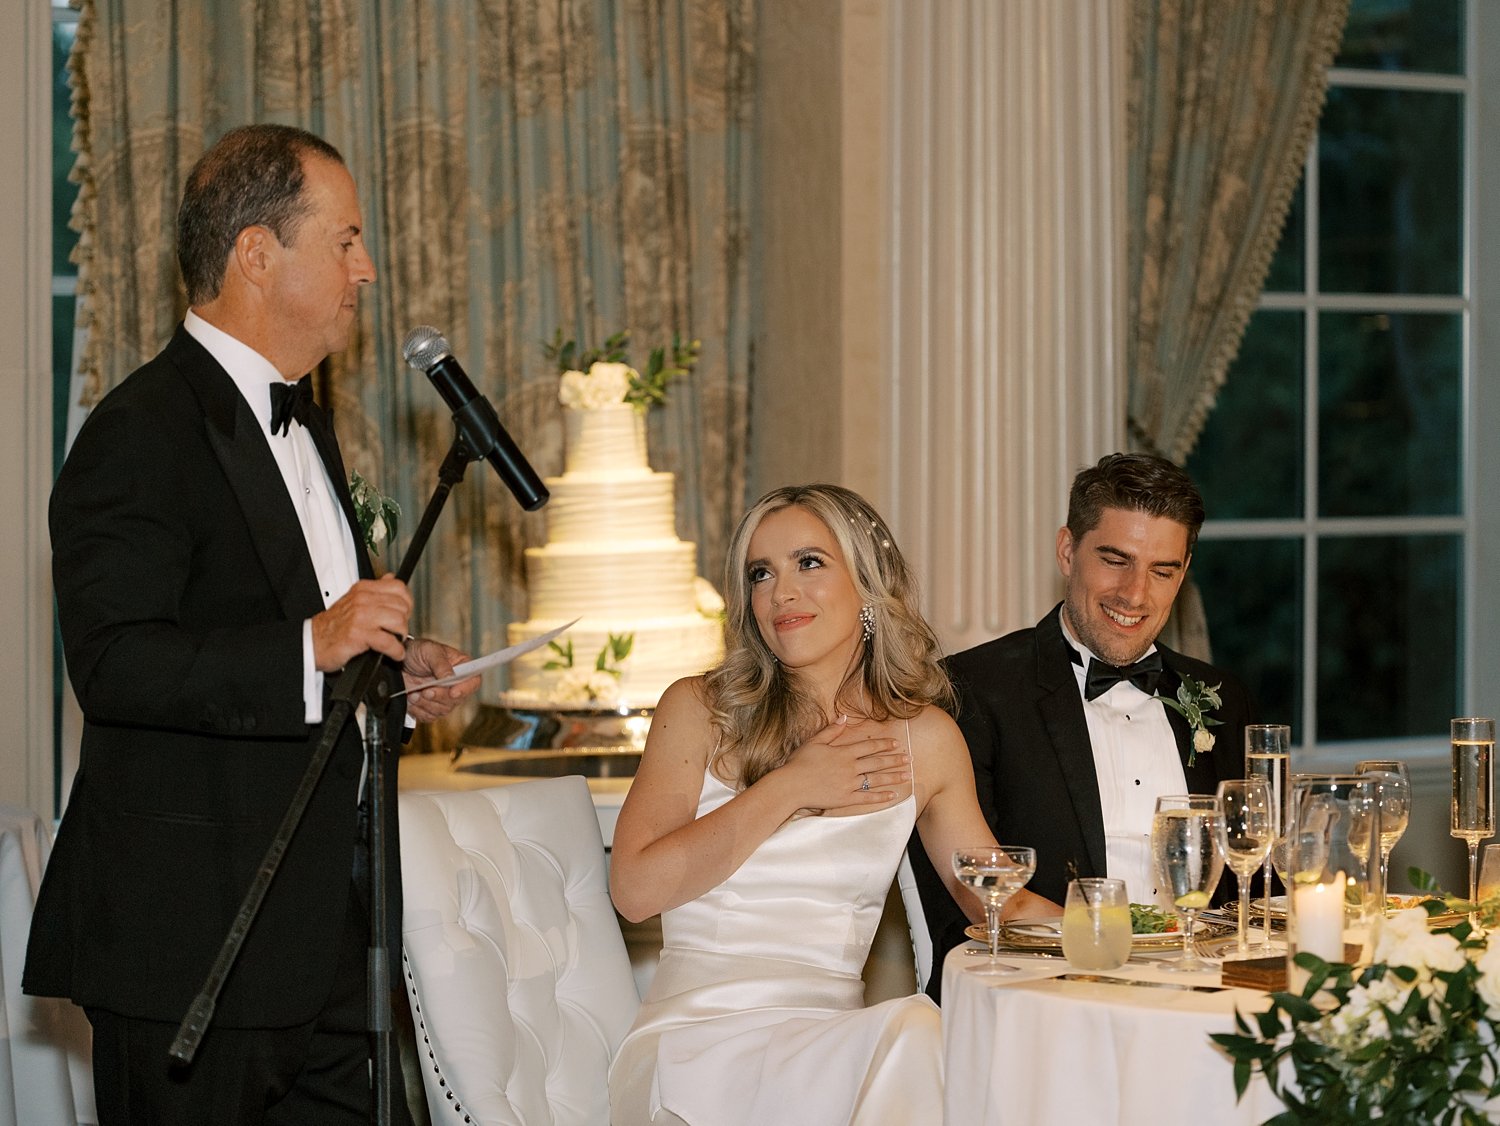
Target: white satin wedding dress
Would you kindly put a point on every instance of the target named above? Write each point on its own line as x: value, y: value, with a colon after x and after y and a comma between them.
x: 755, y: 1016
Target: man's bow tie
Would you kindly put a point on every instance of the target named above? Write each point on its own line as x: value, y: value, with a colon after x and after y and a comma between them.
x: 1145, y: 674
x: 289, y: 401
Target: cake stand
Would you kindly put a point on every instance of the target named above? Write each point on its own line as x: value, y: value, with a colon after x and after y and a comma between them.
x: 521, y: 738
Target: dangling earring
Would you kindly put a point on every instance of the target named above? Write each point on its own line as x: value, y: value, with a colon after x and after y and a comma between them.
x: 867, y: 620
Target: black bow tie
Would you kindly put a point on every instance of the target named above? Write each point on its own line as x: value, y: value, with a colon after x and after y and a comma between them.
x: 1145, y: 674
x: 289, y: 401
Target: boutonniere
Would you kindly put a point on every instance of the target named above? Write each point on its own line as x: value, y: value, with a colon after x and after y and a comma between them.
x: 377, y: 513
x: 1194, y: 699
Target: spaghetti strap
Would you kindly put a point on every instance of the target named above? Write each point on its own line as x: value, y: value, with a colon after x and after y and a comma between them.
x: 911, y: 757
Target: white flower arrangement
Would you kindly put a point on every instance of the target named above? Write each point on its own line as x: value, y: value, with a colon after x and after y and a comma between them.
x: 1410, y: 1038
x: 604, y: 384
x: 708, y: 601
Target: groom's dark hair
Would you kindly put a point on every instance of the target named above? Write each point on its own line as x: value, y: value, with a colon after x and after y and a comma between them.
x: 1139, y: 483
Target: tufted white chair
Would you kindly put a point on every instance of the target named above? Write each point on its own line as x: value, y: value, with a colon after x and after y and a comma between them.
x: 519, y: 983
x: 916, y: 920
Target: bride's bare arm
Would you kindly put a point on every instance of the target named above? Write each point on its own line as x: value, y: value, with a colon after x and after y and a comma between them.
x: 951, y: 818
x: 664, y: 855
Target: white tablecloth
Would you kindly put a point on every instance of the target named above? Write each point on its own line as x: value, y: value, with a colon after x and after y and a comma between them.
x: 45, y: 1076
x: 1023, y: 1049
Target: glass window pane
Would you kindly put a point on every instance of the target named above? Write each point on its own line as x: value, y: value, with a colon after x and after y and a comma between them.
x: 1388, y: 614
x: 1420, y: 35
x: 1390, y: 397
x: 1286, y: 273
x: 63, y: 191
x: 1390, y: 206
x: 62, y: 371
x: 1248, y: 462
x: 1252, y: 596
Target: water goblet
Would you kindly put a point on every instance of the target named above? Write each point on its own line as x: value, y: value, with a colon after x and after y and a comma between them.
x: 1245, y: 833
x: 1096, y: 924
x: 1188, y: 861
x: 1393, y: 791
x: 994, y: 874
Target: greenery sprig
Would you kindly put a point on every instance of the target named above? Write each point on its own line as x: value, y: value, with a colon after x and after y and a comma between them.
x: 378, y: 514
x: 646, y: 388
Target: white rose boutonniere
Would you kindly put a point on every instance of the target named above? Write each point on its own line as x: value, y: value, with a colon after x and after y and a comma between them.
x: 377, y: 514
x: 1194, y: 699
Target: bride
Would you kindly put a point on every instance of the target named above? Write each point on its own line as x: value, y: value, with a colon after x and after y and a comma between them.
x: 772, y: 805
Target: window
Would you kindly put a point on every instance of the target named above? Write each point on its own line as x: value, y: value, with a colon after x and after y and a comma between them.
x: 1337, y: 465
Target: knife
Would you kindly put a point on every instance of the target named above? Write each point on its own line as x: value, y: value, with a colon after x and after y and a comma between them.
x: 1100, y: 980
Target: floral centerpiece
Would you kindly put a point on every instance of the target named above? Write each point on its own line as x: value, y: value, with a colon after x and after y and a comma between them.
x: 598, y: 377
x: 1410, y: 1038
x: 599, y: 685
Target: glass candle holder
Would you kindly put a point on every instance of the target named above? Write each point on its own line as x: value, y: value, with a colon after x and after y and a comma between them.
x: 1333, y: 864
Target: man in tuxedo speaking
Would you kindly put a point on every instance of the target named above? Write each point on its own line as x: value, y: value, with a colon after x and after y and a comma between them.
x: 209, y: 577
x: 1070, y: 748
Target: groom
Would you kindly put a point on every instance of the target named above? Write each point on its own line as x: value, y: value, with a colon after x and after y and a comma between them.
x: 1070, y: 746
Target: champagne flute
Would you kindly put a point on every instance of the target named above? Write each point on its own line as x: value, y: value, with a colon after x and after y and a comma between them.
x: 1472, y: 812
x: 1244, y: 835
x: 994, y: 875
x: 1393, y: 791
x: 1268, y: 755
x: 1188, y: 861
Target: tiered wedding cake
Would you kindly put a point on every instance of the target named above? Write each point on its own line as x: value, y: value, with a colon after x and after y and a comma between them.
x: 613, y: 560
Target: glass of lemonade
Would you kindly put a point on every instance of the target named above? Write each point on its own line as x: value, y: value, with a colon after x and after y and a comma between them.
x: 1096, y: 924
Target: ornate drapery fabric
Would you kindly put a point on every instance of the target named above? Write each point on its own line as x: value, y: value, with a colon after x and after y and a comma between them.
x: 1224, y: 96
x: 582, y: 164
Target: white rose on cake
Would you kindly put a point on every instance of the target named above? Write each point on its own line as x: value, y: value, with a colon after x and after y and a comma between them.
x: 603, y: 385
x: 709, y: 602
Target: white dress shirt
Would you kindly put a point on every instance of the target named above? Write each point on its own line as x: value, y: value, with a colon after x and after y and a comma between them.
x: 1135, y: 762
x: 330, y: 542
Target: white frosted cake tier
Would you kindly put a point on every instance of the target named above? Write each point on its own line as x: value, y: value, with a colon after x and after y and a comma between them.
x: 645, y: 579
x: 609, y: 440
x: 664, y: 649
x: 612, y: 507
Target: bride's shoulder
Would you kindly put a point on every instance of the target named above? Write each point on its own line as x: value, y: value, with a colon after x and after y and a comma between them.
x: 933, y: 725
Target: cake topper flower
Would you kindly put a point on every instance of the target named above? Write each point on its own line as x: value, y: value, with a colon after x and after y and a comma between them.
x: 1194, y: 698
x: 616, y: 380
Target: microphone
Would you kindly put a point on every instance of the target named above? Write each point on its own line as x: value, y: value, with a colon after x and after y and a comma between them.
x: 426, y: 350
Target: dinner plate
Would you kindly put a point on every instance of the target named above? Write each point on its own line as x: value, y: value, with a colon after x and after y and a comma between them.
x: 1046, y: 936
x: 1393, y: 903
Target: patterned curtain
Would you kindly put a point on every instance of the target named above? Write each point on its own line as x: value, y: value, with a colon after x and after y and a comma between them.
x: 522, y: 166
x: 1224, y: 97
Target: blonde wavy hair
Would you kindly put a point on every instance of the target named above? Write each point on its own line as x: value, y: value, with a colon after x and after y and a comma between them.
x: 759, y: 711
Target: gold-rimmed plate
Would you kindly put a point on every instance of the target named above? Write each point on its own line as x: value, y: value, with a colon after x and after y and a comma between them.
x: 1045, y: 936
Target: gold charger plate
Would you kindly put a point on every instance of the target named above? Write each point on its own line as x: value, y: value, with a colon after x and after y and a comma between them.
x: 1392, y: 902
x: 1046, y: 937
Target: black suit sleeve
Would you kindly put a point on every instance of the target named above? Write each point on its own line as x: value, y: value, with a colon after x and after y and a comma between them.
x: 145, y: 646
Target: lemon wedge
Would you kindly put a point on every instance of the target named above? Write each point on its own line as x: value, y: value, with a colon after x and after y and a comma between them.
x: 1192, y: 901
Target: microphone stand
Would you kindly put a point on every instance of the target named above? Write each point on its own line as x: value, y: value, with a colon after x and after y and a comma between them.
x: 359, y: 683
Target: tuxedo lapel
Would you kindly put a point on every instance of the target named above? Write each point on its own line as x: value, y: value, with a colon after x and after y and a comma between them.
x: 1061, y: 709
x: 240, y: 446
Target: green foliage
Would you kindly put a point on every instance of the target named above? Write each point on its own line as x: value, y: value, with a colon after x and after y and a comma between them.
x: 378, y: 514
x: 1407, y: 1039
x: 564, y: 658
x: 648, y: 388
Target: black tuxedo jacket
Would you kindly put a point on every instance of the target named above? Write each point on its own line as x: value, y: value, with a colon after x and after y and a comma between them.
x: 1020, y: 710
x: 182, y: 581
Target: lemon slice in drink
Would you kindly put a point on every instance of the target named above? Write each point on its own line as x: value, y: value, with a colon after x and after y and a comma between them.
x: 1192, y: 901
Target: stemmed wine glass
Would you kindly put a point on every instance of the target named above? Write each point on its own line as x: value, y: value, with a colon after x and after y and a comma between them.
x: 1472, y: 814
x: 994, y: 874
x: 1244, y: 835
x: 1393, y: 791
x: 1268, y: 755
x: 1185, y: 851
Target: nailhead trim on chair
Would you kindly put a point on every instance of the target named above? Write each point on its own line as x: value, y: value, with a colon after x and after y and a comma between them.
x: 416, y: 1006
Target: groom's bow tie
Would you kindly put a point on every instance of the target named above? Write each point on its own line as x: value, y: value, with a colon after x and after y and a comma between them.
x: 1145, y: 674
x: 289, y: 401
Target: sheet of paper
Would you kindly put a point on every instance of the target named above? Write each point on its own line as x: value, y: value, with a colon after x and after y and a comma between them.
x: 492, y: 660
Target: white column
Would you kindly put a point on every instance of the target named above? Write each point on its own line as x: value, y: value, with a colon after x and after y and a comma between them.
x: 26, y: 423
x: 1002, y: 369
